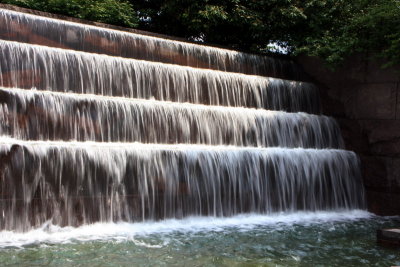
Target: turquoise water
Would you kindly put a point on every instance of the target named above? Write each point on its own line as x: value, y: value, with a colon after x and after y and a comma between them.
x: 299, y: 239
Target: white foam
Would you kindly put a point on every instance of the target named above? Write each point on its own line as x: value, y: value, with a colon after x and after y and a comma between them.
x: 123, y: 231
x: 9, y: 141
x: 34, y: 92
x: 88, y: 27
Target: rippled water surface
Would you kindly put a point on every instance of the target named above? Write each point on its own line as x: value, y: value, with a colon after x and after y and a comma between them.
x: 300, y: 239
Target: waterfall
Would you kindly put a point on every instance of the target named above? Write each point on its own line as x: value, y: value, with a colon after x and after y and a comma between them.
x: 62, y: 70
x: 86, y: 182
x: 46, y: 115
x: 100, y: 124
x: 29, y: 28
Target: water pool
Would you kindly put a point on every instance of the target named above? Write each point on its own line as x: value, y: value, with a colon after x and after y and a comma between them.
x: 299, y: 239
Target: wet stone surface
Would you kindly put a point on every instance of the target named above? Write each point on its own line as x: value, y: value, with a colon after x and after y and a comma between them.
x: 389, y: 237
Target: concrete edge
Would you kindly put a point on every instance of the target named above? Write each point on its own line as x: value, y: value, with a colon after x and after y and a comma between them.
x: 132, y: 30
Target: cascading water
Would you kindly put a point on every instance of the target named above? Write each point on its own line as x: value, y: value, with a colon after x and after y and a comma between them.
x: 65, y: 116
x: 74, y: 183
x: 88, y: 137
x: 62, y: 70
x: 65, y: 34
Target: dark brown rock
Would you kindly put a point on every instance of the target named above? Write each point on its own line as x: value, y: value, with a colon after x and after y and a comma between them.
x: 353, y: 135
x: 398, y: 102
x: 383, y: 203
x: 383, y: 136
x: 381, y: 130
x: 376, y: 101
x: 364, y: 98
x: 376, y: 172
x: 387, y: 148
x: 396, y: 174
x: 389, y: 237
x: 377, y: 73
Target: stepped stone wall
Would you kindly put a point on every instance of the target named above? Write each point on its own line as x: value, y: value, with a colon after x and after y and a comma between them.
x: 365, y: 99
x: 120, y: 42
x: 361, y: 96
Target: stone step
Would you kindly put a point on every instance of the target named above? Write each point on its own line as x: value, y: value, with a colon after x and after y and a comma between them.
x: 63, y: 32
x: 70, y: 182
x: 389, y: 237
x: 47, y: 68
x: 44, y: 115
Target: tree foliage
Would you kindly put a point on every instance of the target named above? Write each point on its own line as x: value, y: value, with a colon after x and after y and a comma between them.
x: 368, y: 26
x: 331, y: 29
x: 243, y: 24
x: 116, y: 12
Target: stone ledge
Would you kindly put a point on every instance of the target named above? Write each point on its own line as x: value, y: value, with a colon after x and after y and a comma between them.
x: 376, y: 101
x: 383, y: 203
x: 68, y: 36
x: 388, y: 237
x: 88, y: 22
x: 131, y: 30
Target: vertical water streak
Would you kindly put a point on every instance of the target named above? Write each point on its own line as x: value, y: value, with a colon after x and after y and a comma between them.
x: 148, y: 139
x: 88, y: 182
x: 41, y: 115
x: 21, y: 27
x: 27, y: 66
